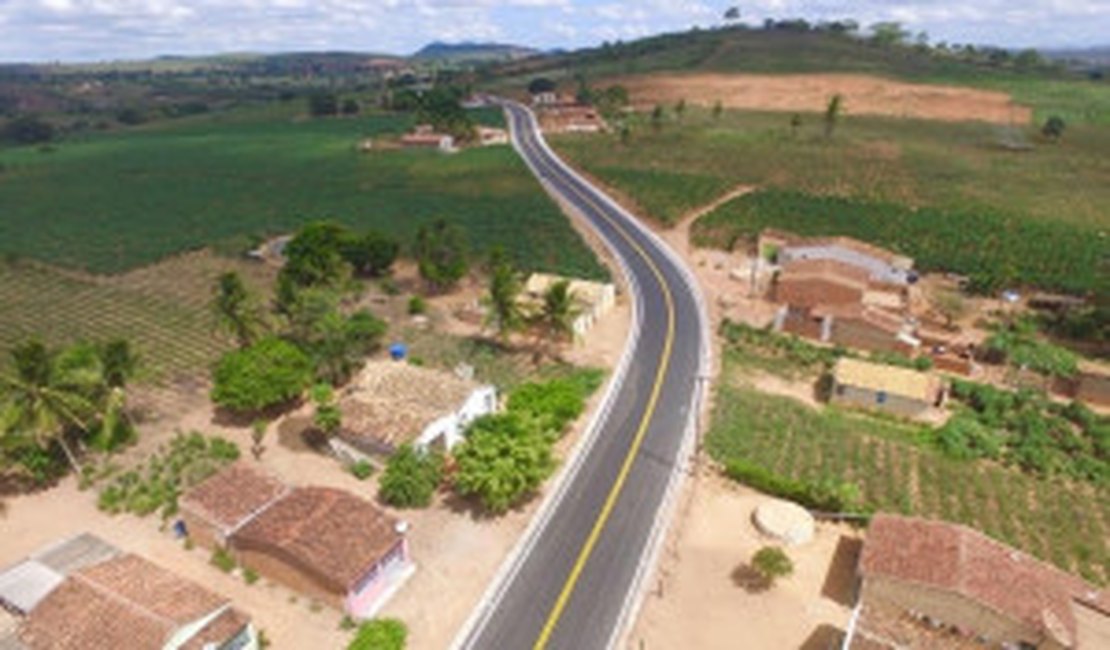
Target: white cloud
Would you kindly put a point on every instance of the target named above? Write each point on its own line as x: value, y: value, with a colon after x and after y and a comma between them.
x: 127, y: 28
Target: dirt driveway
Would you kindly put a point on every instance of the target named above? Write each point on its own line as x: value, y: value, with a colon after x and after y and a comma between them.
x: 863, y: 95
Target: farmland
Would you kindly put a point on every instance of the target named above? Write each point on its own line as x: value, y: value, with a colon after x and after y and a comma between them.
x: 994, y: 250
x: 136, y: 197
x: 957, y: 166
x: 162, y: 309
x: 1062, y: 522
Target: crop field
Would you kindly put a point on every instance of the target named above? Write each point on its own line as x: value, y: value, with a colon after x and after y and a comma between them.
x: 162, y: 310
x: 1065, y: 523
x: 114, y: 202
x: 993, y: 250
x: 962, y: 166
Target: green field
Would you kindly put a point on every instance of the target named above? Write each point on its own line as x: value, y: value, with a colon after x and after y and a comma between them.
x: 961, y: 166
x: 118, y: 201
x: 1062, y: 522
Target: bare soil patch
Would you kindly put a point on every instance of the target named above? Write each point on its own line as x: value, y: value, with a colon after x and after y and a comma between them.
x: 863, y: 95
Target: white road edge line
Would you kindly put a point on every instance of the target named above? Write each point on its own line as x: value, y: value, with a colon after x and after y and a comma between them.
x: 512, y: 563
x: 638, y: 590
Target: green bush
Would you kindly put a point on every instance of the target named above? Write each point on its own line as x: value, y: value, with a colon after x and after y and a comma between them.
x: 772, y: 563
x: 380, y: 634
x: 553, y: 404
x: 417, y: 306
x: 222, y: 560
x: 503, y: 460
x: 250, y: 576
x: 362, y: 470
x: 268, y: 373
x: 411, y: 477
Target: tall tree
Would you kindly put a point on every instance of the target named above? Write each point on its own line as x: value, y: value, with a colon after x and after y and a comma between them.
x: 236, y: 311
x: 441, y: 254
x: 832, y: 114
x: 1053, y: 128
x: 46, y: 398
x: 657, y: 116
x: 503, y: 301
x: 555, y: 320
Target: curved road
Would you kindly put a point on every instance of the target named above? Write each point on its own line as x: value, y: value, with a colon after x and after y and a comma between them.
x: 576, y: 577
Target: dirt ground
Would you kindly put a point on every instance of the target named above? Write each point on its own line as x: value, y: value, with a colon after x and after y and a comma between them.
x: 863, y: 95
x: 702, y: 596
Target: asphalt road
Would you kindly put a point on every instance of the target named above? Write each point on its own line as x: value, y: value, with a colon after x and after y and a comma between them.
x: 572, y: 585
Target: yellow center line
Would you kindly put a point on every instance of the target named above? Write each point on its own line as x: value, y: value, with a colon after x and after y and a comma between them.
x: 637, y: 441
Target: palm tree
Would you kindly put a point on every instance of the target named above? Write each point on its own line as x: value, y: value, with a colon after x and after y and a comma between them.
x: 236, y: 310
x: 505, y: 314
x: 555, y: 319
x: 47, y: 397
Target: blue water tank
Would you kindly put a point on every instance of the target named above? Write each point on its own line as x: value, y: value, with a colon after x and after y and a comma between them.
x: 398, y: 351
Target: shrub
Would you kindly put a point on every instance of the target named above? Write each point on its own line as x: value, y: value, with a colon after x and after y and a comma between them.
x: 553, y: 404
x: 362, y: 470
x: 380, y: 634
x: 222, y: 560
x: 268, y: 373
x: 250, y: 576
x: 411, y: 477
x: 827, y: 497
x: 772, y: 563
x: 417, y: 306
x: 502, y: 461
x: 964, y: 438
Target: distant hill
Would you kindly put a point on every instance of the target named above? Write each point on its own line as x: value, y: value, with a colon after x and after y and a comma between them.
x: 1090, y: 55
x: 473, y: 52
x: 788, y: 48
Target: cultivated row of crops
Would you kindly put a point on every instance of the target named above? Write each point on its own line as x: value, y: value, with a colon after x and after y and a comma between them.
x: 993, y: 250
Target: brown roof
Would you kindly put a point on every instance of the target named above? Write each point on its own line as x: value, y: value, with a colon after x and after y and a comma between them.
x: 877, y: 317
x: 423, y: 139
x: 393, y: 402
x: 125, y: 602
x: 329, y: 533
x: 225, y: 626
x: 958, y: 559
x: 888, y: 379
x: 233, y: 494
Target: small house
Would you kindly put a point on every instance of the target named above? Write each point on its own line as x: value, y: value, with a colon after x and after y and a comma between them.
x: 393, y: 403
x: 90, y: 595
x: 934, y: 584
x: 490, y: 136
x: 889, y: 389
x: 882, y: 266
x: 325, y: 543
x: 425, y: 137
x: 592, y: 299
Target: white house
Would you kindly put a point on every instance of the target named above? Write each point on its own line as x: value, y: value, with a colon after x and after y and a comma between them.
x: 593, y: 299
x: 392, y: 403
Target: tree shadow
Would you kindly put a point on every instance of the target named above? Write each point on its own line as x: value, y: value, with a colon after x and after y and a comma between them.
x: 472, y: 507
x: 297, y: 434
x: 747, y: 578
x: 823, y: 637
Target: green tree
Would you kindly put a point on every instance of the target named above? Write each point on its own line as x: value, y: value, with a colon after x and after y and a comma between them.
x: 950, y: 304
x: 411, y: 478
x: 327, y: 418
x: 372, y: 253
x: 503, y: 302
x: 1053, y: 128
x: 502, y: 461
x: 555, y: 320
x: 541, y: 85
x: 657, y: 115
x: 380, y: 634
x: 351, y: 107
x: 118, y: 361
x: 795, y: 124
x: 441, y: 254
x: 680, y: 108
x: 772, y: 563
x: 323, y: 104
x: 236, y: 310
x: 337, y: 343
x: 47, y: 397
x: 832, y: 114
x: 270, y: 372
x: 718, y: 109
x: 29, y: 129
x: 888, y: 34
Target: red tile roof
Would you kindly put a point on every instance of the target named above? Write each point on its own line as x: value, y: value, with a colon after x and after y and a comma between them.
x: 125, y: 602
x: 329, y: 533
x: 229, y: 497
x: 958, y: 559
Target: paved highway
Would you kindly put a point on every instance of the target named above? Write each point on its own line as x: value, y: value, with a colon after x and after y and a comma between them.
x: 575, y: 579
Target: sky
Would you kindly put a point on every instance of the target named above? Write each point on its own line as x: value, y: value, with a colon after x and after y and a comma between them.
x: 90, y: 30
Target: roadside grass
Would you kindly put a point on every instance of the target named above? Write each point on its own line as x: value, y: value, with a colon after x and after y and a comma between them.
x: 960, y: 166
x: 1063, y: 522
x: 162, y: 310
x: 113, y: 202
